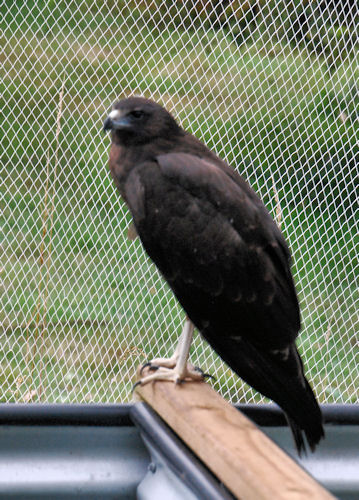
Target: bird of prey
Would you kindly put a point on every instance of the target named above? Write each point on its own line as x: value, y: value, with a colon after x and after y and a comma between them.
x: 221, y: 253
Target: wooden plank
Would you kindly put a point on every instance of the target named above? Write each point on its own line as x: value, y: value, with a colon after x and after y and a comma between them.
x: 250, y: 465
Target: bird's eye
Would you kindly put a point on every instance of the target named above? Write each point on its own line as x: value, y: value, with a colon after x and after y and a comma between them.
x: 136, y: 113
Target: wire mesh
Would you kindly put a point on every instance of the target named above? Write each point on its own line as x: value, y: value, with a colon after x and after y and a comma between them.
x: 271, y: 86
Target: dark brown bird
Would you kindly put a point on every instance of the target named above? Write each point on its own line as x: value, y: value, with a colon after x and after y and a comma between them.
x: 222, y: 254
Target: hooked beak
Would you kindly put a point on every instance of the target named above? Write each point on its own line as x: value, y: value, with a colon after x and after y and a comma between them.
x: 115, y: 121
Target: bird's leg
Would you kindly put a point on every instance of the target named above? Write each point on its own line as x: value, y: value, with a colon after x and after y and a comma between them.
x: 184, y: 347
x: 171, y: 362
x: 176, y: 368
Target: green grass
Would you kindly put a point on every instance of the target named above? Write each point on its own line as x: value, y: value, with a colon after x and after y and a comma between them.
x: 104, y: 309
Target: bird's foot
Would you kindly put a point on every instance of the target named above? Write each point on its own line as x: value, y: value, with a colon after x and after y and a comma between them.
x: 176, y: 375
x: 157, y: 363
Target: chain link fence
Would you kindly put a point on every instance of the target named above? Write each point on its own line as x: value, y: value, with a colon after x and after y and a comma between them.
x: 271, y: 86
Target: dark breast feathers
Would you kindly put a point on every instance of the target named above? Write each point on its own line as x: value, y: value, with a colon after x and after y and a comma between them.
x: 218, y: 248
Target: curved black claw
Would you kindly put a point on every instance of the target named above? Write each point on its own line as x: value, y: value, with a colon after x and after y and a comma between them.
x: 208, y: 375
x: 144, y: 366
x: 204, y: 375
x: 150, y: 366
x: 135, y: 385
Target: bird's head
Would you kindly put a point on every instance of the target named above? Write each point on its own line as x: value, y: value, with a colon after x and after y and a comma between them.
x: 136, y: 120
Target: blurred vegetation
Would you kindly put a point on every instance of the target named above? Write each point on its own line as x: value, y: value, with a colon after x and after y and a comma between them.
x: 247, y: 86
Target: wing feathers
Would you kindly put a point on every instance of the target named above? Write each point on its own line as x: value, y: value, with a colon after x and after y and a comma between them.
x: 198, y: 226
x: 228, y: 265
x: 279, y: 378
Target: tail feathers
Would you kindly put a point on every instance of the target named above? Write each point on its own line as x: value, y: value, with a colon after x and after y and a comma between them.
x: 280, y: 378
x: 309, y: 419
x: 297, y: 433
x: 313, y: 434
x: 312, y: 425
x: 304, y: 419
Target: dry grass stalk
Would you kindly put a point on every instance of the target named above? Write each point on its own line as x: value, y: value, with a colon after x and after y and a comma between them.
x: 57, y: 136
x: 36, y: 313
x: 328, y: 335
x: 47, y: 219
x: 278, y: 208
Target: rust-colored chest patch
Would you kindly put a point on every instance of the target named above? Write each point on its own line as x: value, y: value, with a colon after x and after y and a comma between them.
x: 115, y: 164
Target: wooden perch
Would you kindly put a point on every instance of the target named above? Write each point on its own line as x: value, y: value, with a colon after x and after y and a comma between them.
x: 250, y: 465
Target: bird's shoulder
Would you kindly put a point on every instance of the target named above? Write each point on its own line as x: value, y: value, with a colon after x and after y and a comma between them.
x: 200, y: 193
x: 209, y: 180
x: 200, y: 226
x: 180, y: 181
